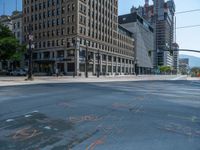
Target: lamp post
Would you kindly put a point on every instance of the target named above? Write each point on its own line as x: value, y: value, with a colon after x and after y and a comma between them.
x: 30, y: 47
x: 86, y: 60
x: 30, y: 61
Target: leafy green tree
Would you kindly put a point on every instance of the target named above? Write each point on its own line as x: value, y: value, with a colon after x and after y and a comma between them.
x: 10, y: 48
x: 195, y: 71
x: 5, y: 32
x: 165, y: 69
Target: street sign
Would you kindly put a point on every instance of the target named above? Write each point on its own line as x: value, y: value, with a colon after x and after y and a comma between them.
x: 30, y: 37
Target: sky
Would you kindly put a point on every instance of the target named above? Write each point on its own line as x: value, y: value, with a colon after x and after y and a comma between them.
x: 188, y: 38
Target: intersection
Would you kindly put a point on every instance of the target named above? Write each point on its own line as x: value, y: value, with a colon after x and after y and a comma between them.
x: 127, y: 115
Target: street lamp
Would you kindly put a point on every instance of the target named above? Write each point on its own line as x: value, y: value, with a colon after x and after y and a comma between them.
x: 30, y: 63
x: 30, y: 48
x: 86, y: 60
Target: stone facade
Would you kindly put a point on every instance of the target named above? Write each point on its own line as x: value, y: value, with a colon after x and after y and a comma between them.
x: 144, y: 44
x: 64, y: 30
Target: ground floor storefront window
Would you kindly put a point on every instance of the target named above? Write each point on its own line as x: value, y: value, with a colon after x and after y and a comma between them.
x: 44, y: 67
x: 61, y: 67
x: 82, y: 67
x: 109, y: 68
x: 70, y: 67
x: 114, y: 69
x: 90, y: 67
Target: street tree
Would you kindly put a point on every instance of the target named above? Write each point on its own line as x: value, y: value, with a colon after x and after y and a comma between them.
x: 165, y: 69
x: 10, y: 48
x: 195, y: 71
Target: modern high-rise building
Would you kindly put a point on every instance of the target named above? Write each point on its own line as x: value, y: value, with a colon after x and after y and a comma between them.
x: 66, y: 31
x: 175, y: 48
x: 184, y: 66
x: 161, y: 16
x: 144, y: 43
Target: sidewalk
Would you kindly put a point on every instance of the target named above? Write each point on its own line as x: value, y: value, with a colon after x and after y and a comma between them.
x: 193, y: 78
x: 8, y: 81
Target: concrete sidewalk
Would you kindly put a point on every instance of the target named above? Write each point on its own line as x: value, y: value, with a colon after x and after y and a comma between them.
x: 10, y: 81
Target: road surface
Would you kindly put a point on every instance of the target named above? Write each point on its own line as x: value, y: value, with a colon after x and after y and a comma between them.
x: 143, y: 115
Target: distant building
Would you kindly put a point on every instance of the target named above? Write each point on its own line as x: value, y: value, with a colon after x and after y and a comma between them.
x: 144, y: 43
x: 175, y: 48
x: 14, y: 23
x: 184, y: 65
x: 161, y: 16
x: 17, y: 29
x: 6, y: 21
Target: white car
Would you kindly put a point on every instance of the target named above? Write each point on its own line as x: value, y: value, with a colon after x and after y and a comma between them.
x: 18, y: 72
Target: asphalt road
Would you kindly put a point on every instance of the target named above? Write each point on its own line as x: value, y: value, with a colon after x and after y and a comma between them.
x: 144, y: 115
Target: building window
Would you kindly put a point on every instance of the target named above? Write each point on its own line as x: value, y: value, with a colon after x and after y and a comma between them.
x: 73, y: 7
x: 63, y: 21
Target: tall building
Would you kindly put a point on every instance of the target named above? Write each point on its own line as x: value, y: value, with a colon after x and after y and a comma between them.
x: 144, y: 43
x: 14, y: 23
x: 66, y: 31
x: 6, y: 21
x: 161, y: 16
x: 175, y: 48
x: 184, y: 66
x: 17, y: 25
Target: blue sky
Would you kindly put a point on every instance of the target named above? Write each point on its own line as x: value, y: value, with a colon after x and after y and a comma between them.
x: 186, y: 38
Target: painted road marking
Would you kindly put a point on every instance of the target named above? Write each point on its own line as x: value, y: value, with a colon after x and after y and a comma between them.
x: 25, y: 133
x: 47, y: 127
x: 27, y: 116
x: 96, y: 142
x: 10, y: 120
x: 84, y: 118
x: 192, y: 119
x: 180, y: 129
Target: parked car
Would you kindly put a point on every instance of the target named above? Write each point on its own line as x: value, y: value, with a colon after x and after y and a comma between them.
x: 18, y: 72
x: 6, y: 72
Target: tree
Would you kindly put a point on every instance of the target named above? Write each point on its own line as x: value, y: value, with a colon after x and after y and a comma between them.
x: 195, y: 71
x: 5, y: 31
x: 165, y: 69
x: 10, y: 48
